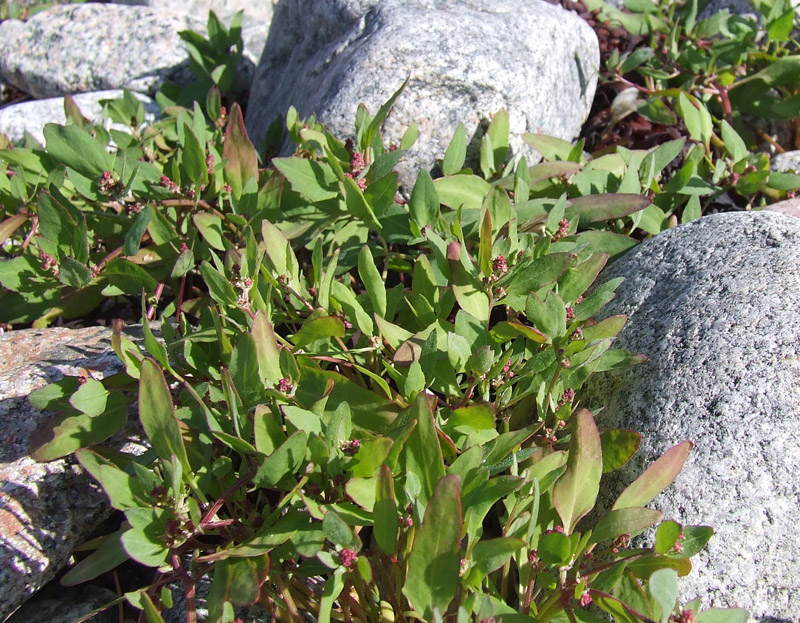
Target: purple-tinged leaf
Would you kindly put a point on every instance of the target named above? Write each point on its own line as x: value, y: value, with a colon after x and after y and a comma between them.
x: 625, y: 521
x: 574, y: 494
x: 655, y: 478
x: 241, y: 161
x: 606, y: 207
x: 157, y: 414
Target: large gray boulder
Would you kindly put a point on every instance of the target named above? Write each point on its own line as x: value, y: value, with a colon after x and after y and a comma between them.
x: 94, y: 47
x: 713, y: 304
x: 465, y: 60
x: 32, y: 116
x: 46, y: 509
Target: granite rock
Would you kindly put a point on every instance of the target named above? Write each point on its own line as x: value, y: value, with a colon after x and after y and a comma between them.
x: 713, y: 304
x: 465, y: 60
x: 32, y: 116
x: 255, y: 22
x: 46, y: 509
x: 67, y: 606
x: 787, y: 162
x: 94, y: 47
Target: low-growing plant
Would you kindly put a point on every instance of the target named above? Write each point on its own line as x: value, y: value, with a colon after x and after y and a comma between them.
x: 721, y: 82
x: 362, y: 408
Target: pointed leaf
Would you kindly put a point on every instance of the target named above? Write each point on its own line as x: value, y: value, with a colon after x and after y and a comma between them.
x: 624, y: 521
x: 606, y: 207
x: 318, y: 328
x: 267, y: 350
x: 157, y: 414
x: 241, y: 161
x: 456, y: 152
x: 655, y: 478
x: 385, y: 511
x: 422, y: 451
x: 424, y: 202
x: 373, y: 282
x: 433, y: 565
x: 575, y: 492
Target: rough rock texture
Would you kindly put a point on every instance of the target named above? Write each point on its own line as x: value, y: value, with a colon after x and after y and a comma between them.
x: 713, y: 304
x: 46, y: 509
x: 32, y: 116
x: 465, y: 60
x: 93, y: 47
x: 255, y: 24
x: 788, y: 161
x: 67, y: 606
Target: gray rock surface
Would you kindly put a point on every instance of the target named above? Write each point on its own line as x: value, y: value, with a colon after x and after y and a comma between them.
x: 93, y: 47
x: 255, y: 25
x: 46, y: 509
x: 32, y: 116
x: 465, y: 60
x: 713, y: 304
x: 787, y: 162
x: 67, y: 606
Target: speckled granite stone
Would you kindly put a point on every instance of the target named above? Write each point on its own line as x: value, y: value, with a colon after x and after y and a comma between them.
x: 32, y: 116
x: 46, y: 509
x: 713, y: 304
x: 93, y: 47
x: 255, y: 23
x: 465, y: 59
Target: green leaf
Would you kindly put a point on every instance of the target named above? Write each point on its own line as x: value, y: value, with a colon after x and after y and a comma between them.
x: 238, y: 581
x: 210, y: 227
x: 606, y: 207
x: 577, y: 280
x: 624, y: 521
x: 462, y: 191
x: 549, y: 315
x: 193, y: 158
x: 663, y: 585
x: 467, y: 289
x: 90, y: 398
x: 245, y: 372
x: 619, y: 445
x: 498, y: 134
x: 422, y: 452
x: 575, y: 492
x: 133, y: 238
x: 734, y: 144
x: 655, y: 478
x: 77, y: 149
x: 424, y: 202
x: 373, y: 282
x: 491, y: 554
x: 380, y: 117
x: 456, y: 152
x: 241, y: 160
x: 108, y: 556
x: 336, y: 530
x: 157, y: 414
x: 73, y: 273
x: 385, y: 511
x: 145, y: 546
x: 666, y: 536
x: 283, y: 462
x: 357, y: 204
x: 127, y: 277
x: 71, y: 432
x: 554, y: 548
x: 550, y: 147
x: 723, y: 615
x: 636, y: 58
x: 696, y: 116
x: 316, y: 181
x: 219, y: 287
x: 433, y: 565
x: 319, y: 328
x: 267, y: 350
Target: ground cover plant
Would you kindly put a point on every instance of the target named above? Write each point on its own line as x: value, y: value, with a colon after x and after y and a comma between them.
x: 362, y: 406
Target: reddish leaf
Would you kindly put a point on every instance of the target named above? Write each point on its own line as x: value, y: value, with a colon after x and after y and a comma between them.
x: 241, y: 162
x: 655, y: 478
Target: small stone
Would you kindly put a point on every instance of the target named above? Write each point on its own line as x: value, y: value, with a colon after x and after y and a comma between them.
x: 32, y: 116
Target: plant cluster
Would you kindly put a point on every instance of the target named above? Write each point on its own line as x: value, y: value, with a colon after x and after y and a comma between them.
x: 360, y: 406
x: 727, y: 83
